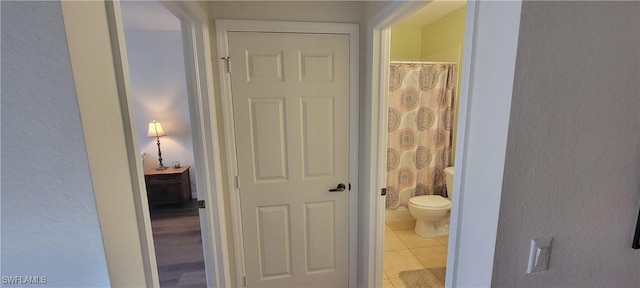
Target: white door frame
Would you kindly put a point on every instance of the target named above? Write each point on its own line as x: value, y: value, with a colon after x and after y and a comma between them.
x: 490, y: 44
x: 204, y: 130
x: 195, y: 27
x: 380, y: 33
x: 225, y: 26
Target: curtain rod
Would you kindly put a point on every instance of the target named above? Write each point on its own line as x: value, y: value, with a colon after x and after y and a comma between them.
x: 420, y: 62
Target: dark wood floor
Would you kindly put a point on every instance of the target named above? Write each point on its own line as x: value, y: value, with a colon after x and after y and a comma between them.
x: 178, y: 243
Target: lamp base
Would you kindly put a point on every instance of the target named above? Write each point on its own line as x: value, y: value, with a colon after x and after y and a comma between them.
x: 161, y: 167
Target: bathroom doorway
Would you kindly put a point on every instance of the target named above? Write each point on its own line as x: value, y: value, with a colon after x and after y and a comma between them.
x: 422, y: 103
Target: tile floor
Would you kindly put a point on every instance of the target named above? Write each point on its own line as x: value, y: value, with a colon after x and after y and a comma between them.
x: 405, y: 250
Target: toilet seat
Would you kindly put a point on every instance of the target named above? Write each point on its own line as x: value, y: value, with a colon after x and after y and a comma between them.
x: 430, y: 202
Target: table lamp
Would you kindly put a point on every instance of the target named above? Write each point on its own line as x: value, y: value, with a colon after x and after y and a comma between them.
x: 155, y: 130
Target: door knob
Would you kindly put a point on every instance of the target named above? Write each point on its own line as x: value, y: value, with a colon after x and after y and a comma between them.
x: 340, y: 188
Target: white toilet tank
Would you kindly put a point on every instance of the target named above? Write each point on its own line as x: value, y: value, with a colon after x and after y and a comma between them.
x: 448, y: 174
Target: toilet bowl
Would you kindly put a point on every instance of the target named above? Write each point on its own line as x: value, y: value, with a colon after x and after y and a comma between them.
x: 432, y: 211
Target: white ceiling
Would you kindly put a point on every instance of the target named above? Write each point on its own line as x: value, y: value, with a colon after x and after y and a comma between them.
x: 148, y: 15
x: 431, y: 12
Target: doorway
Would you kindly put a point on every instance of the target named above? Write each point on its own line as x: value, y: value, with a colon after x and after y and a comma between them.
x: 177, y: 89
x: 158, y: 87
x: 490, y: 45
x: 425, y: 56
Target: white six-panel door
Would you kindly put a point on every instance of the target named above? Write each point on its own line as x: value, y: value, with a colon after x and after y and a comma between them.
x: 291, y: 116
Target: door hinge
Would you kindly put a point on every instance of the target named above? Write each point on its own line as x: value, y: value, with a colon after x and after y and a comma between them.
x: 227, y: 63
x: 244, y: 279
x: 201, y: 204
x: 237, y: 182
x: 383, y: 191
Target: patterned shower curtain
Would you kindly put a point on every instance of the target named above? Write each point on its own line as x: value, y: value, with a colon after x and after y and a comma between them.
x: 420, y: 130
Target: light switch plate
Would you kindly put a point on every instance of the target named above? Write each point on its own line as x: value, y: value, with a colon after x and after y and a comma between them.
x: 539, y: 255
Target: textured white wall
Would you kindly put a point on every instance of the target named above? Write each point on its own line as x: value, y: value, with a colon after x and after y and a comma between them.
x: 572, y: 166
x: 49, y: 219
x: 159, y: 92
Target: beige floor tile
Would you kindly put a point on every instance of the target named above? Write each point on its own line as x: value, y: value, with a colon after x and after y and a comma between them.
x: 387, y: 284
x: 413, y: 240
x: 384, y: 275
x: 387, y: 229
x: 397, y: 283
x: 401, y: 224
x: 392, y: 242
x: 444, y: 240
x: 400, y: 260
x: 432, y: 257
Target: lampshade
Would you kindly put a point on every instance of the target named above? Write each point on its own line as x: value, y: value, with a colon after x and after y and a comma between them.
x: 155, y: 129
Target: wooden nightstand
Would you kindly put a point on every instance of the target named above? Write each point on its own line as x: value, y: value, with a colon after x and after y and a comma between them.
x: 171, y: 185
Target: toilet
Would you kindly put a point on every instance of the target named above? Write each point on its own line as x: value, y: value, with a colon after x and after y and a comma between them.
x: 432, y: 211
